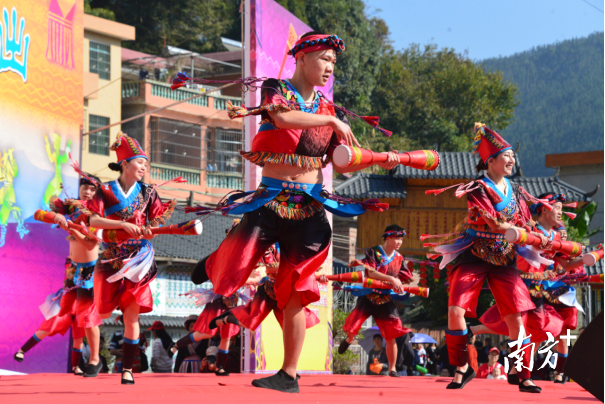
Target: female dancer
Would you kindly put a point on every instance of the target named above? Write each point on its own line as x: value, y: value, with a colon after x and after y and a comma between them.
x: 556, y: 306
x: 495, y: 205
x: 123, y: 275
x: 288, y: 206
x: 77, y: 306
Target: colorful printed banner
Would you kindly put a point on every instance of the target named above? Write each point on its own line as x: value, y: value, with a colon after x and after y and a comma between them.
x: 41, y: 109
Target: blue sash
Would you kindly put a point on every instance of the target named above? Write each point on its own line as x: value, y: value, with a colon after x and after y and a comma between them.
x: 275, y: 186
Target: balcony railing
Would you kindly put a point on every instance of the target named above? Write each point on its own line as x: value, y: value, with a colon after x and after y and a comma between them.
x: 159, y: 89
x: 130, y: 89
x: 224, y: 180
x: 221, y: 103
x: 164, y: 91
x: 165, y: 174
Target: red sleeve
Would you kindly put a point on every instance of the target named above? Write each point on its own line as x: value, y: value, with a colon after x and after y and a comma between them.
x: 158, y: 212
x: 369, y: 260
x: 405, y: 275
x: 480, y: 206
x: 524, y: 213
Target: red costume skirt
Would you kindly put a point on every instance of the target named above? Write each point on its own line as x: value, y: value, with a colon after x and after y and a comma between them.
x: 385, y: 315
x: 252, y: 314
x: 537, y: 322
x: 109, y: 296
x: 303, y: 247
x: 212, y: 310
x: 66, y: 318
x: 80, y: 302
x: 509, y: 291
x: 569, y: 315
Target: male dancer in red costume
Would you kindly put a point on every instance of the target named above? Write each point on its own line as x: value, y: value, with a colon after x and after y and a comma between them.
x: 556, y: 307
x: 495, y: 205
x: 298, y: 135
x: 77, y: 304
x: 382, y: 263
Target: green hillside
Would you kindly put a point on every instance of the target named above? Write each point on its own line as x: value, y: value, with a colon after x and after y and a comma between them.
x: 560, y: 99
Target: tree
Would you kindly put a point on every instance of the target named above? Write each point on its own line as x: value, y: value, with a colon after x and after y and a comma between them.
x: 99, y: 12
x: 577, y: 229
x: 341, y: 363
x: 432, y: 97
x: 196, y: 25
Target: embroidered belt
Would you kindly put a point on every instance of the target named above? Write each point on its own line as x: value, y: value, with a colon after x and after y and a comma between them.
x: 270, y: 188
x: 485, y: 234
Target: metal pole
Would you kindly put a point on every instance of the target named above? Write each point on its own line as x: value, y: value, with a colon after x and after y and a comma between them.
x: 158, y: 109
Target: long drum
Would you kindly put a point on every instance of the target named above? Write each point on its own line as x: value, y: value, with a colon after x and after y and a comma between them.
x: 591, y: 258
x: 351, y: 277
x: 190, y: 228
x: 348, y: 156
x: 376, y: 284
x: 517, y: 236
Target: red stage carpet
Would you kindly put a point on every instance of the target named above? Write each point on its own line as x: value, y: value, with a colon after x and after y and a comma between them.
x: 207, y: 388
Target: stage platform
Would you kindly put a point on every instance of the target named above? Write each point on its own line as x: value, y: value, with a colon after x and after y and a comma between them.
x: 208, y: 388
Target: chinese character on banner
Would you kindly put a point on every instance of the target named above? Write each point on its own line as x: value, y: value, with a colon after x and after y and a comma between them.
x: 547, y: 349
x: 518, y: 354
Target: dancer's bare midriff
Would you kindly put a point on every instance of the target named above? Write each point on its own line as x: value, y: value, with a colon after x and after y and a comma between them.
x: 290, y: 173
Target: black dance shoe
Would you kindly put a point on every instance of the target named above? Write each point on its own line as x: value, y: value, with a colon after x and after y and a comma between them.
x: 19, y: 358
x: 126, y: 381
x: 466, y: 377
x: 528, y: 389
x: 212, y: 325
x: 75, y: 371
x: 344, y: 345
x: 223, y: 373
x: 564, y: 378
x: 281, y: 381
x: 392, y: 373
x: 93, y: 370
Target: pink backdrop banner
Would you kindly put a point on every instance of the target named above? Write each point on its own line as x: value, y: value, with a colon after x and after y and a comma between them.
x: 273, y: 31
x: 32, y: 268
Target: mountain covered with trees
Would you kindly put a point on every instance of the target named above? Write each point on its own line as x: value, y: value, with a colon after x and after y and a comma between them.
x: 560, y: 99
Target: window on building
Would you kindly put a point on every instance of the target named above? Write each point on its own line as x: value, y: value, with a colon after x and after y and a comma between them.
x: 223, y: 150
x: 98, y: 142
x: 100, y: 60
x: 176, y: 143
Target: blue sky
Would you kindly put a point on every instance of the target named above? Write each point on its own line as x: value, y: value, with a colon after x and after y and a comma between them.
x: 487, y: 28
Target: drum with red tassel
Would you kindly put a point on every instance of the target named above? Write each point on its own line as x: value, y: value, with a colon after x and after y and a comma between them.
x: 517, y: 236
